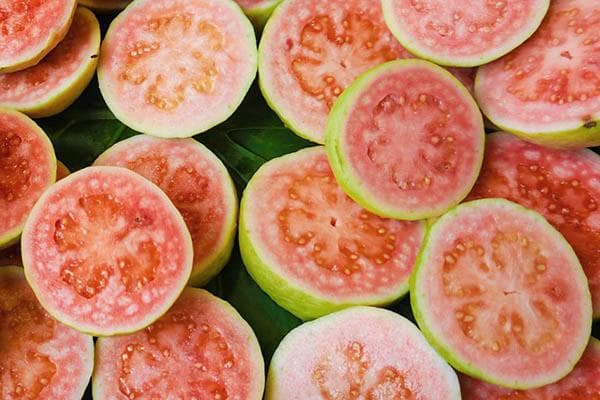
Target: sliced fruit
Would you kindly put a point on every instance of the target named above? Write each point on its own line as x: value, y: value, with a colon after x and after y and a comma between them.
x: 105, y: 251
x: 406, y: 140
x: 177, y: 68
x: 258, y: 11
x: 548, y: 90
x: 501, y: 295
x: 451, y: 33
x: 105, y: 5
x: 582, y: 383
x: 31, y: 29
x: 311, y: 50
x: 359, y: 353
x: 41, y: 358
x: 197, y: 183
x: 200, y: 349
x: 314, y: 250
x: 562, y: 185
x: 27, y: 169
x: 55, y: 82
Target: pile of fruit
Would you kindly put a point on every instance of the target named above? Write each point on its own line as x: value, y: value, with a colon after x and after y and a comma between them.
x: 443, y: 153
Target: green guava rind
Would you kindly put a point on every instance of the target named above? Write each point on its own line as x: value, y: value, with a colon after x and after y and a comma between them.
x: 336, y: 123
x: 58, y: 99
x: 411, y: 45
x: 417, y: 296
x: 105, y: 5
x: 201, y: 126
x: 227, y: 307
x: 11, y: 237
x: 261, y: 14
x: 290, y: 296
x: 67, y: 321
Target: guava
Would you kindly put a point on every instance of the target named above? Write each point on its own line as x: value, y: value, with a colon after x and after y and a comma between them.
x: 583, y: 383
x: 258, y: 11
x: 406, y: 140
x: 41, y: 358
x: 547, y: 91
x: 459, y: 34
x: 197, y: 183
x: 359, y: 353
x: 56, y: 81
x: 105, y: 251
x: 61, y: 170
x: 562, y: 185
x: 105, y: 5
x: 31, y: 29
x: 312, y: 249
x: 27, y: 169
x: 200, y: 349
x: 176, y: 68
x: 311, y: 50
x: 501, y: 295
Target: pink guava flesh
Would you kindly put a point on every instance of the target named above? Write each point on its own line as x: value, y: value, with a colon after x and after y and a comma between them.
x: 359, y: 353
x: 194, y: 179
x: 200, y: 349
x: 177, y: 67
x: 310, y: 232
x: 52, y: 75
x: 562, y: 185
x: 552, y: 82
x: 414, y: 139
x: 583, y: 383
x: 502, y: 294
x: 27, y: 169
x: 312, y: 50
x: 30, y: 26
x: 41, y: 358
x: 105, y: 251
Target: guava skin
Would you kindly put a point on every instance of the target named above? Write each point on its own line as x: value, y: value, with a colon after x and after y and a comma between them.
x: 260, y: 14
x: 105, y: 5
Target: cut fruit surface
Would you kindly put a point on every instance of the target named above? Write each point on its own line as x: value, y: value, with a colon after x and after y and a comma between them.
x: 56, y: 81
x: 583, y: 383
x: 65, y: 242
x: 450, y: 33
x: 406, y: 140
x: 105, y: 5
x: 30, y: 29
x: 548, y: 90
x: 562, y: 185
x: 175, y: 68
x: 311, y: 50
x: 312, y: 248
x: 501, y: 295
x: 359, y: 353
x: 258, y: 11
x: 27, y: 169
x: 200, y: 349
x: 199, y: 186
x: 41, y: 358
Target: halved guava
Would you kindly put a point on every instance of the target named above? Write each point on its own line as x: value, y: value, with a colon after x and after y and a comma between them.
x: 197, y: 183
x: 548, y: 90
x: 31, y: 29
x: 56, y: 81
x: 41, y: 358
x: 313, y: 249
x: 311, y: 50
x: 105, y: 5
x: 359, y: 353
x: 200, y: 349
x: 258, y: 11
x: 463, y: 34
x: 175, y: 68
x: 583, y: 383
x: 501, y: 295
x: 27, y: 169
x: 406, y: 140
x: 105, y: 251
x: 562, y: 185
